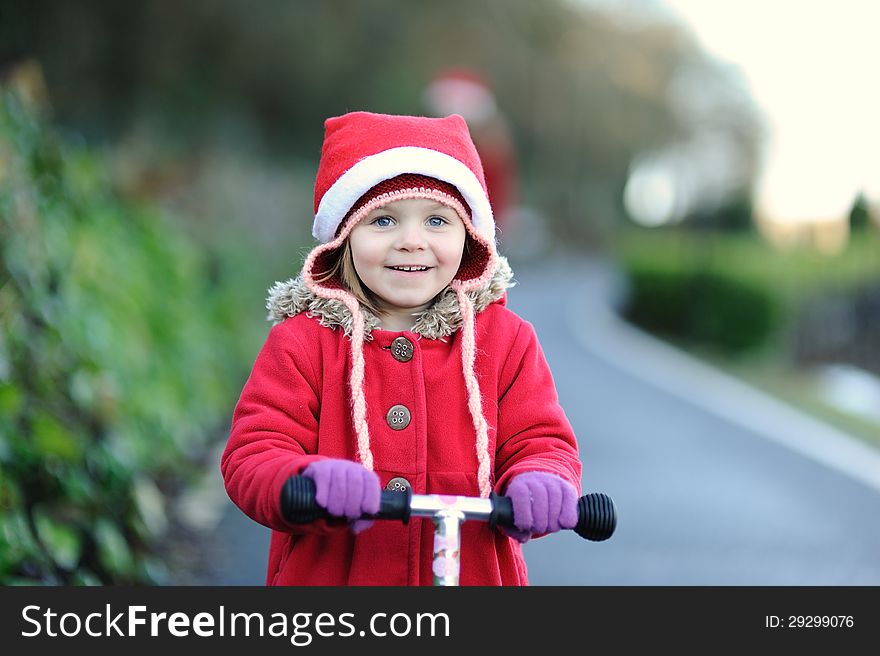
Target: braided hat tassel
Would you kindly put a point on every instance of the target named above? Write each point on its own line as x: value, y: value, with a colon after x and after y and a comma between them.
x: 468, y: 358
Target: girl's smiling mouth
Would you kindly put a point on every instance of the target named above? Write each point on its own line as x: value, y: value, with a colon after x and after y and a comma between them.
x: 409, y: 268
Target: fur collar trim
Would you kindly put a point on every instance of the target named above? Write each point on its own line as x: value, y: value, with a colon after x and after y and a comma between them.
x: 289, y: 298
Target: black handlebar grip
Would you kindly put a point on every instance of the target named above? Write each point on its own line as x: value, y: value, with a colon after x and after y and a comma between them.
x: 298, y: 505
x: 502, y: 511
x: 597, y: 517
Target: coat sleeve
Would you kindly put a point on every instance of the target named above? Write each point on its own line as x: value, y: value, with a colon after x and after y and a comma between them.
x: 533, y: 432
x: 274, y: 430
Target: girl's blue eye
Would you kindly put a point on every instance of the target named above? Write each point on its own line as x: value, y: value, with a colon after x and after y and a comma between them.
x: 382, y: 221
x: 436, y: 221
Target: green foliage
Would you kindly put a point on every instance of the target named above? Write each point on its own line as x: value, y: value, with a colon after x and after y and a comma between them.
x: 734, y: 215
x: 730, y: 291
x: 860, y: 214
x: 112, y: 386
x: 709, y: 308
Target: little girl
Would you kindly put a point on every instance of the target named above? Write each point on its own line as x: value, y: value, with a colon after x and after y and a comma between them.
x: 394, y: 362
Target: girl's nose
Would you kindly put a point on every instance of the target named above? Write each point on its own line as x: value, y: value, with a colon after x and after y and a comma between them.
x: 410, y: 238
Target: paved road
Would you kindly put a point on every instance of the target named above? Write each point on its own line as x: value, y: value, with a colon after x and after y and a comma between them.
x: 714, y: 485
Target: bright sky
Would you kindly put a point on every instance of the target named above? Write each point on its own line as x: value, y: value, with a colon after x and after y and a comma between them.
x: 813, y: 68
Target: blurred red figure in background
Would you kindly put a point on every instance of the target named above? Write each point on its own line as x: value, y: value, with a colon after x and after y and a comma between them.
x: 464, y: 92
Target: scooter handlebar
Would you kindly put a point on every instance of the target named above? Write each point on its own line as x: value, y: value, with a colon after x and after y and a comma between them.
x: 597, y: 515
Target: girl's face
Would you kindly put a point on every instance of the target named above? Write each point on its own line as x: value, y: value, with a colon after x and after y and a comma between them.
x: 407, y: 252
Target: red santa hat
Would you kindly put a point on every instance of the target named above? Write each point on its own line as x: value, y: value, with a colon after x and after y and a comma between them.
x: 369, y: 160
x: 362, y: 149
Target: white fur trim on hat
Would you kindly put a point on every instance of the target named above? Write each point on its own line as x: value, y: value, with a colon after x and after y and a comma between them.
x: 372, y: 170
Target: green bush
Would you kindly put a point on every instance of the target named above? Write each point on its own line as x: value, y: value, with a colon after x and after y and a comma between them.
x: 734, y: 292
x: 688, y: 302
x: 116, y: 365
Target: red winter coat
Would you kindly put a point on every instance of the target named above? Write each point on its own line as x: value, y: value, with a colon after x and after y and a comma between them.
x: 295, y: 409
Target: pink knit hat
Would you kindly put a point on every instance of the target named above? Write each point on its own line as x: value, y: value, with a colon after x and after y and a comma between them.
x: 369, y: 160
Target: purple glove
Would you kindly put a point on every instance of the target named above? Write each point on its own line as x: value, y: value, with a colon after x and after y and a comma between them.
x: 542, y: 503
x: 345, y: 489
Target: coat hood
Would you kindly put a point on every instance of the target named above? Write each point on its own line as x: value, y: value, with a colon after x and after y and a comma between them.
x: 441, y: 319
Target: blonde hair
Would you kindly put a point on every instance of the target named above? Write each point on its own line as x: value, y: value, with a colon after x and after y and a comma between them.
x: 341, y: 267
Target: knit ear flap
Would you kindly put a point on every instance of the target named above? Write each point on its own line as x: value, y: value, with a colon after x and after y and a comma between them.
x: 358, y: 400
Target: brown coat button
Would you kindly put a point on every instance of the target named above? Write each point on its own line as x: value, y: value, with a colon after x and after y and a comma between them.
x: 402, y: 349
x: 398, y: 484
x: 398, y: 417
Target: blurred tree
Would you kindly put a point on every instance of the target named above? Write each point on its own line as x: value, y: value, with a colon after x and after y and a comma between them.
x: 585, y: 93
x: 734, y: 214
x: 860, y: 213
x: 121, y: 349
